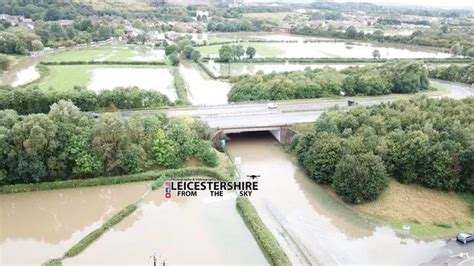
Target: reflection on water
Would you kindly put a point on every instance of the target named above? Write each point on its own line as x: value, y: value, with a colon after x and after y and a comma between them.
x: 237, y: 69
x: 302, y: 214
x: 22, y: 72
x: 202, y: 230
x: 203, y: 90
x: 37, y: 226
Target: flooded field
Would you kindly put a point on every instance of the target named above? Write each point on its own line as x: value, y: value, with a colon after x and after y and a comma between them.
x: 23, y: 72
x: 237, y: 69
x: 311, y: 225
x: 146, y: 78
x: 182, y: 230
x: 110, y: 53
x: 38, y: 226
x: 202, y: 89
x: 304, y: 46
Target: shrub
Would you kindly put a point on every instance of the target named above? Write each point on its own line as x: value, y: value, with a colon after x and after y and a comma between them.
x: 360, y: 178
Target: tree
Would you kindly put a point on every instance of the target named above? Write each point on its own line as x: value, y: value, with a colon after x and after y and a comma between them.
x: 351, y: 32
x: 456, y: 49
x: 360, y: 178
x: 226, y: 53
x: 196, y: 55
x: 376, y: 54
x: 170, y: 49
x: 470, y: 52
x: 187, y: 51
x: 6, y: 61
x: 174, y: 59
x: 164, y: 150
x: 250, y: 52
x: 37, y: 45
x: 238, y: 51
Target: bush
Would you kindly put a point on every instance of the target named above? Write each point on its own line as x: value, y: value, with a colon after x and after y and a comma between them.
x: 263, y: 236
x: 360, y: 178
x: 206, y: 154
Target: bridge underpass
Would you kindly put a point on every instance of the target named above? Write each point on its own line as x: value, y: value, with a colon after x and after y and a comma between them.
x: 282, y: 134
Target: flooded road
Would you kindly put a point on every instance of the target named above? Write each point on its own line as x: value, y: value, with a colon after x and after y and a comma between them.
x: 202, y: 90
x: 38, y: 226
x: 183, y: 230
x: 22, y: 72
x: 310, y: 224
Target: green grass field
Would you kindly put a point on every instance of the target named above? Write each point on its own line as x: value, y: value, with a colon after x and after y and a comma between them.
x: 65, y: 77
x: 263, y: 49
x: 279, y: 16
x: 102, y: 53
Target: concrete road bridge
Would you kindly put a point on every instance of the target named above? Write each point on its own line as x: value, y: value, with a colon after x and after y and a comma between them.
x: 248, y: 117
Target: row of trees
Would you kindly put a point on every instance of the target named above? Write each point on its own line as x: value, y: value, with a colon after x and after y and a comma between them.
x: 33, y: 100
x: 66, y: 143
x: 421, y: 140
x: 398, y: 77
x: 183, y: 46
x: 228, y: 53
x: 456, y: 73
x: 241, y: 25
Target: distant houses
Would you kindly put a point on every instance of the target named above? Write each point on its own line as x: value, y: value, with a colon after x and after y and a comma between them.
x: 18, y: 20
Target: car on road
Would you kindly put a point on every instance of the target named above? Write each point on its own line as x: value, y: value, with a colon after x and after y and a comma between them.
x: 351, y: 103
x: 465, y: 237
x: 95, y: 115
x: 272, y: 106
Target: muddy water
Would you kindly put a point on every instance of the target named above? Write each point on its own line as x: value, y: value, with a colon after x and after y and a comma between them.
x: 22, y: 72
x: 202, y: 89
x: 183, y: 230
x: 38, y: 226
x: 237, y: 69
x: 311, y: 225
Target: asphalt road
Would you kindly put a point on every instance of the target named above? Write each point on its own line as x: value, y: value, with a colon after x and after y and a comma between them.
x: 259, y: 115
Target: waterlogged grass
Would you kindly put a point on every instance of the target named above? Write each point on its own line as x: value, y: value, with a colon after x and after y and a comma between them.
x: 264, y: 237
x: 180, y: 86
x: 263, y: 49
x: 65, y: 77
x: 92, y: 236
x: 432, y: 231
x: 102, y: 53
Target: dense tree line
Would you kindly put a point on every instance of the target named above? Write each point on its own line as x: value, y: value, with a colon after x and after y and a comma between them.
x: 460, y: 40
x: 423, y: 141
x: 229, y: 53
x: 66, y: 143
x: 241, y: 25
x: 33, y: 100
x: 456, y: 73
x: 398, y: 77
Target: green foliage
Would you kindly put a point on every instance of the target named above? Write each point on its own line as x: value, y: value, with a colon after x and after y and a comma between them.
x: 33, y: 100
x: 264, y: 237
x: 67, y: 143
x: 421, y: 140
x: 5, y: 62
x: 53, y: 262
x: 94, y: 235
x: 195, y: 55
x: 164, y: 175
x: 250, y: 52
x: 396, y: 77
x: 456, y: 73
x: 360, y: 178
x: 174, y: 59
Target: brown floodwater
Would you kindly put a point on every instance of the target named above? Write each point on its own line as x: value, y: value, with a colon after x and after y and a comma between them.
x: 310, y: 224
x: 182, y: 230
x: 38, y: 226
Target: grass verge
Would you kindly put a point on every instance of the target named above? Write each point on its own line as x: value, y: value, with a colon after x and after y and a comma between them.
x: 53, y: 262
x: 264, y: 237
x: 92, y: 236
x: 185, y: 172
x: 111, y: 180
x: 180, y: 86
